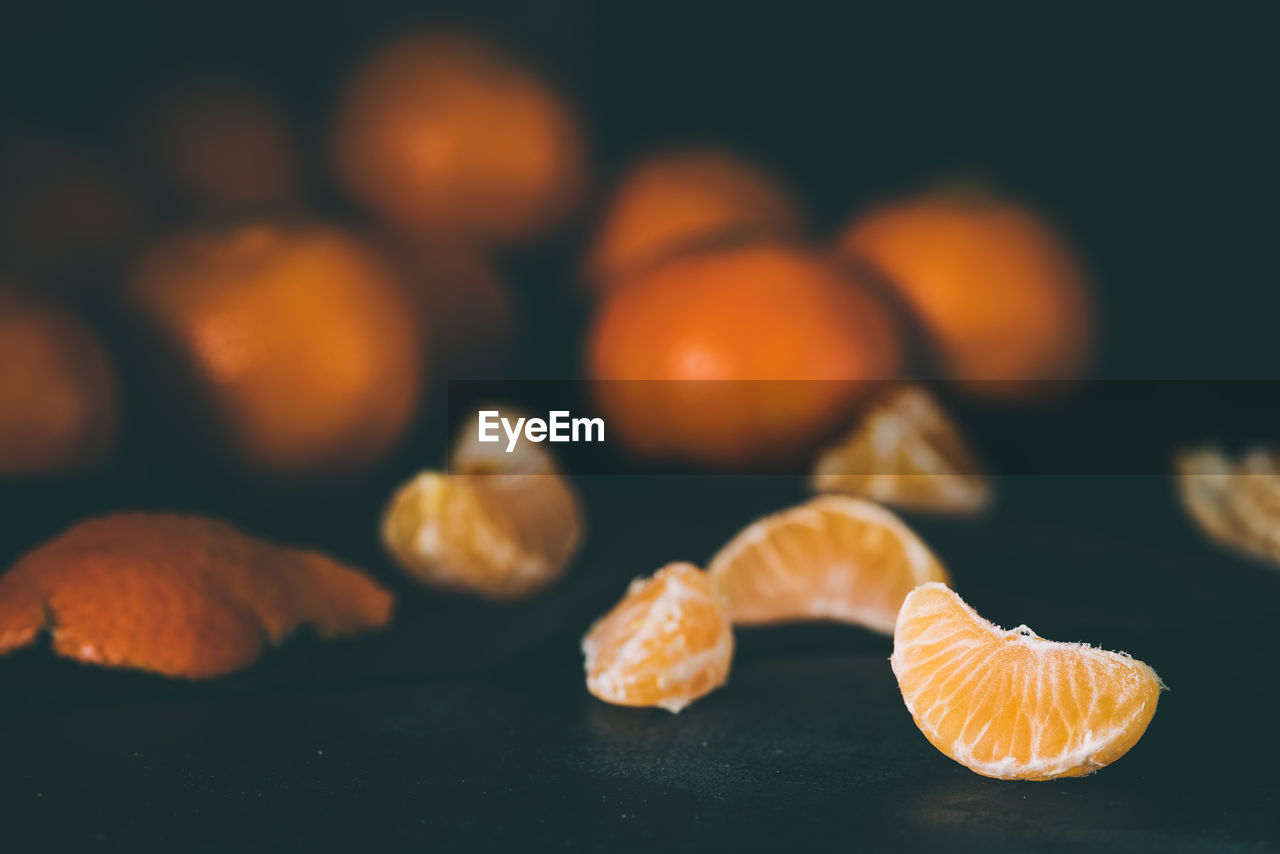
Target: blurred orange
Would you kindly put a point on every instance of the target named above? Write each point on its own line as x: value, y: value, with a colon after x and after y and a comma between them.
x: 465, y: 305
x: 704, y: 325
x: 64, y: 211
x: 295, y: 341
x: 442, y: 133
x: 996, y: 291
x: 58, y: 399
x: 681, y: 199
x: 223, y: 143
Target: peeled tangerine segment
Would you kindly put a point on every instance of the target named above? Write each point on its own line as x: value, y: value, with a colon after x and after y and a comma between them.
x: 834, y: 557
x: 498, y: 525
x: 906, y: 451
x: 1235, y: 503
x: 667, y: 643
x: 1010, y: 704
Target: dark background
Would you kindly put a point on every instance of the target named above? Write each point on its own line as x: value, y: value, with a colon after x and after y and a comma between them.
x: 1145, y: 133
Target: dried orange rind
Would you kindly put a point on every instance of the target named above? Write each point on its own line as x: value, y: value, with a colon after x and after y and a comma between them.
x: 667, y: 643
x: 182, y: 596
x: 1010, y: 704
x: 500, y: 525
x: 907, y: 452
x: 835, y: 557
x: 1236, y: 503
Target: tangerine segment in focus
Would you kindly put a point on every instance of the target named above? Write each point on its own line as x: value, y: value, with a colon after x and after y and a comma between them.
x: 906, y: 451
x: 666, y: 644
x: 737, y: 356
x: 832, y: 558
x: 677, y: 200
x: 177, y: 595
x: 1010, y: 704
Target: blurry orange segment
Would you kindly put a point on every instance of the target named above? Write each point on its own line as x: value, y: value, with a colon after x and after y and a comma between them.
x: 1010, y: 704
x: 666, y: 644
x: 58, y: 398
x: 907, y: 452
x: 442, y: 133
x: 680, y: 199
x: 293, y: 343
x: 501, y: 526
x: 1235, y: 502
x: 178, y: 595
x: 737, y: 356
x: 832, y: 558
x: 999, y: 296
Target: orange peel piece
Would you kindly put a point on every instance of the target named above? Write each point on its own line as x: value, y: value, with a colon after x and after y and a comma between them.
x: 182, y: 596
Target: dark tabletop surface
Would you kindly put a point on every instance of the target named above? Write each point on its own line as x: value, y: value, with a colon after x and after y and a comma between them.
x: 468, y: 726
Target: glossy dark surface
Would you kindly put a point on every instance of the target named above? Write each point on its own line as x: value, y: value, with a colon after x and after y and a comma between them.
x: 468, y: 726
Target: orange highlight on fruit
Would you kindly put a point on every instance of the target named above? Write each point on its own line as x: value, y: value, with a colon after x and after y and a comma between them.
x: 1010, y: 704
x: 738, y: 356
x: 440, y: 133
x: 503, y: 526
x: 682, y: 200
x: 998, y: 295
x: 907, y: 452
x: 666, y: 644
x: 181, y: 596
x: 293, y: 343
x: 832, y: 558
x: 58, y: 400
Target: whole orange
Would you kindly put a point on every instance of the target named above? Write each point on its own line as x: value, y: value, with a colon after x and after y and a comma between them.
x: 438, y: 132
x: 680, y: 199
x: 737, y: 356
x: 58, y: 398
x: 999, y: 296
x: 297, y: 344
